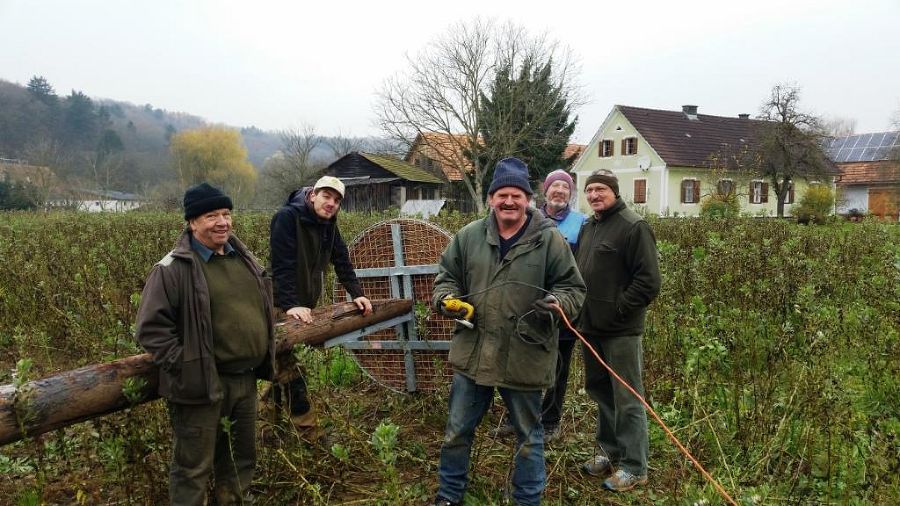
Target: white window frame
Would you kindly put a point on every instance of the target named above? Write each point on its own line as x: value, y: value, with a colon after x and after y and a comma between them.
x: 696, y: 198
x: 612, y: 148
x: 756, y: 191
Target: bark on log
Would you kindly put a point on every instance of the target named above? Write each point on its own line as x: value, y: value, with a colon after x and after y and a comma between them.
x: 82, y: 394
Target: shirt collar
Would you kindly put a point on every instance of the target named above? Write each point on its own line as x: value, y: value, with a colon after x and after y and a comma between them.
x: 560, y: 216
x: 206, y: 253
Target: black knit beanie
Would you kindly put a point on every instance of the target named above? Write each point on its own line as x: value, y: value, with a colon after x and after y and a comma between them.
x: 510, y: 172
x: 203, y: 198
x: 607, y: 179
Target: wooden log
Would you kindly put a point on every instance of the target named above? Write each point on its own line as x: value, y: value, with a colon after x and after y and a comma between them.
x: 82, y: 394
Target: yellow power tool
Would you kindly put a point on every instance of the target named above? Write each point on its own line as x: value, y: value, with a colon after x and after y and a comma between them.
x: 457, y: 306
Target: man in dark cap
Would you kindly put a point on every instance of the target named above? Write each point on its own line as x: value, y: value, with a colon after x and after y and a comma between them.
x: 618, y: 258
x: 206, y: 318
x: 516, y: 269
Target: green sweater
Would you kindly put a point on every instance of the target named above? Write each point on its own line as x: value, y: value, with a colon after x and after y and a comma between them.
x: 240, y: 337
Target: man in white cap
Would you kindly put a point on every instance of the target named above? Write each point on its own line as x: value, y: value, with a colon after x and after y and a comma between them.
x: 303, y: 238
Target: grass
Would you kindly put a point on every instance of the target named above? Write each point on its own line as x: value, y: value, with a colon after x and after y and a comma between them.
x: 772, y: 352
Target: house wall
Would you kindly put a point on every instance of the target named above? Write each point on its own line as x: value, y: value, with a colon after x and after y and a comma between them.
x: 708, y: 184
x: 97, y: 206
x: 616, y: 127
x: 852, y: 197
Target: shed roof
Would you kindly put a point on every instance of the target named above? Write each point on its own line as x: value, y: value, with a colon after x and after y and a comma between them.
x: 402, y: 169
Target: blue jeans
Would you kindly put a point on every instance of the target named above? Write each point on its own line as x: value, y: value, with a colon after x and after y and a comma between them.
x: 468, y: 404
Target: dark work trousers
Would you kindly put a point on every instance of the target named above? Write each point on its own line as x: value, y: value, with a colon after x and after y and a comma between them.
x: 621, y: 419
x: 551, y: 408
x: 292, y: 394
x: 202, y: 446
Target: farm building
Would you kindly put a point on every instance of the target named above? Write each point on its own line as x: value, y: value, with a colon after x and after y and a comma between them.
x: 666, y: 160
x: 378, y: 182
x: 869, y: 179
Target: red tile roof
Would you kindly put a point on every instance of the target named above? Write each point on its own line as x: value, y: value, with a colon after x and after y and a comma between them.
x: 681, y: 141
x: 573, y: 151
x: 445, y: 149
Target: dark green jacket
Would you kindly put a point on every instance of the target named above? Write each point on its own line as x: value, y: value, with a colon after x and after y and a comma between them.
x: 493, y: 353
x: 618, y: 258
x: 174, y: 324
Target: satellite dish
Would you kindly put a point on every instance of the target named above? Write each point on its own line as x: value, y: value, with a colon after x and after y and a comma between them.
x: 644, y: 163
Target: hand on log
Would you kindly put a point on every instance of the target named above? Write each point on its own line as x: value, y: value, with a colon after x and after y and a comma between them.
x: 82, y: 394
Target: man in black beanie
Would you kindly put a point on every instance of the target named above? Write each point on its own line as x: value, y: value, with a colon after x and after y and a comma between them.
x: 618, y: 258
x: 206, y: 318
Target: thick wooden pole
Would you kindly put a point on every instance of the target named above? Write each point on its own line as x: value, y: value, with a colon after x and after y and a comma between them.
x: 82, y: 394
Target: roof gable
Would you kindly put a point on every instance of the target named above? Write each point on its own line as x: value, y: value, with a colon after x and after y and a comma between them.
x: 689, y: 142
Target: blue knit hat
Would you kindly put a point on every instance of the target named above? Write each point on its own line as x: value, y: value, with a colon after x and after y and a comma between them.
x: 510, y: 172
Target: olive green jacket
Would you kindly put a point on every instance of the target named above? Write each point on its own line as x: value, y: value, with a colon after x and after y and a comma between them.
x: 174, y: 324
x: 503, y: 349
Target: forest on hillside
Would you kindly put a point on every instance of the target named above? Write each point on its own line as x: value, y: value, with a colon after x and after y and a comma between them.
x: 103, y: 144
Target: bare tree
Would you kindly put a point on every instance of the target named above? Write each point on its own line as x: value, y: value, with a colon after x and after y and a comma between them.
x: 294, y: 165
x: 839, y: 127
x: 342, y: 145
x: 441, y: 91
x: 789, y: 144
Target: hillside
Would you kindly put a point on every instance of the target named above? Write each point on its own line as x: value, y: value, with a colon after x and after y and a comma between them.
x: 75, y: 134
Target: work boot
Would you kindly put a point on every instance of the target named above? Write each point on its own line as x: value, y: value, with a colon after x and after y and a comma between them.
x: 599, y: 466
x: 623, y: 480
x: 304, y: 420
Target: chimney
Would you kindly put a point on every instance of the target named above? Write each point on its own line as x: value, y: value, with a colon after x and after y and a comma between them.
x: 744, y: 115
x: 690, y: 111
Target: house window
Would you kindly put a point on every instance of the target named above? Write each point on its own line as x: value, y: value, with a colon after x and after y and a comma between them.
x: 629, y: 146
x: 789, y: 197
x: 759, y: 192
x: 690, y: 191
x: 640, y: 191
x: 725, y: 187
x: 606, y: 148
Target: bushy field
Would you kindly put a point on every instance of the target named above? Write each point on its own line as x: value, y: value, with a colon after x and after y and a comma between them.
x: 772, y: 352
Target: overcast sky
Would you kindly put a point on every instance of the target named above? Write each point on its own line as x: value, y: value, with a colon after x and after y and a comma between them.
x: 282, y: 64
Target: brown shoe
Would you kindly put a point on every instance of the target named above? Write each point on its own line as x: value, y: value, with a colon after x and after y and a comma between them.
x: 305, y: 421
x: 599, y: 466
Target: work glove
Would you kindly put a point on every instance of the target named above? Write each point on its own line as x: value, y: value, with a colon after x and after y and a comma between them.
x: 452, y: 307
x: 546, y: 306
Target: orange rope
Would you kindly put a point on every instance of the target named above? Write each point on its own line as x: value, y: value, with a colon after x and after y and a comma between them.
x: 662, y: 424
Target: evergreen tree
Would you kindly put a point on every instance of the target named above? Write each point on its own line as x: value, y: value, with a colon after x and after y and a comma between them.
x: 527, y: 116
x: 41, y: 90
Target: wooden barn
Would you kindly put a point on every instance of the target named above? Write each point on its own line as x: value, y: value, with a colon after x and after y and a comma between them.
x: 378, y: 182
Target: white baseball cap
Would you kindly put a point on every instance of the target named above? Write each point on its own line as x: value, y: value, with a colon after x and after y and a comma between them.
x: 330, y: 182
